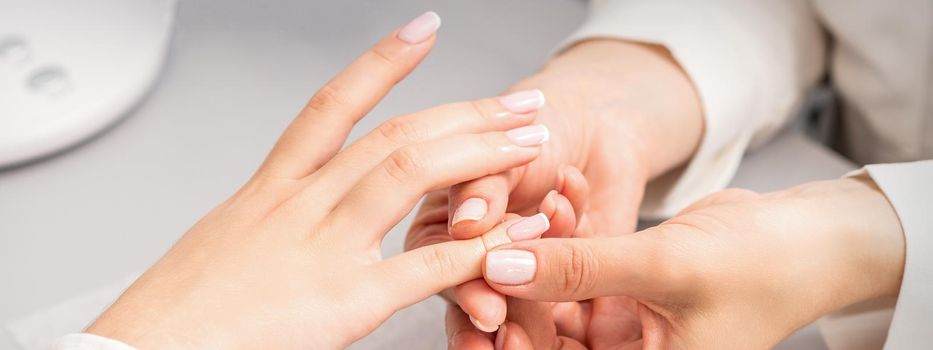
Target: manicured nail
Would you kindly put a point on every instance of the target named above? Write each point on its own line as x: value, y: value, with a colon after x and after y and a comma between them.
x: 500, y: 338
x: 471, y: 209
x: 483, y: 327
x: 523, y: 101
x: 530, y: 227
x: 420, y: 29
x: 510, y: 267
x: 527, y: 136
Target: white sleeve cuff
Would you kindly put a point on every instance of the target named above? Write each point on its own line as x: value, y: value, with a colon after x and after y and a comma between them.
x: 87, y: 341
x: 909, y: 187
x: 750, y: 62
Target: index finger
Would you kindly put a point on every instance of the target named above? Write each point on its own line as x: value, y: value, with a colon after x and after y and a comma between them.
x: 322, y: 126
x: 419, y: 273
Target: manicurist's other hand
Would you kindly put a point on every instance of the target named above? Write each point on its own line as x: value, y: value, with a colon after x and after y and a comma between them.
x: 292, y: 260
x: 765, y: 264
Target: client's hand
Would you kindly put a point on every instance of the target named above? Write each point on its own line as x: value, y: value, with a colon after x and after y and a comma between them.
x: 766, y: 264
x: 292, y: 260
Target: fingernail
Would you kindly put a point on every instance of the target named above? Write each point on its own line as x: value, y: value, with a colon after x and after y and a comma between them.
x: 500, y: 338
x: 523, y: 101
x: 483, y: 327
x: 530, y: 227
x: 471, y: 209
x: 531, y: 135
x: 420, y: 29
x: 510, y: 267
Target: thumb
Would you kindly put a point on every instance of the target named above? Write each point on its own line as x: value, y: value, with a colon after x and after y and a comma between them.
x: 413, y: 276
x: 479, y: 204
x: 571, y: 269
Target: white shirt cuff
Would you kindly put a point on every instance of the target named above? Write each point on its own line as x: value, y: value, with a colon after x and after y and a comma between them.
x: 87, y: 341
x: 749, y: 61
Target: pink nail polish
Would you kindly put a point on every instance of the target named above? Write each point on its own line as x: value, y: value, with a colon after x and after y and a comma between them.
x: 420, y: 28
x: 530, y: 227
x: 471, y: 209
x: 527, y: 136
x: 510, y: 267
x: 523, y: 101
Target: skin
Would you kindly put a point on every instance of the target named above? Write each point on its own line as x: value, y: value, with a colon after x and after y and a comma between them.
x: 598, y: 321
x: 286, y: 262
x: 287, y: 255
x: 622, y: 112
x: 636, y: 96
x: 767, y: 264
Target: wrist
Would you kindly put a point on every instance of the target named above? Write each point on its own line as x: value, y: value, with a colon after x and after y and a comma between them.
x: 131, y: 330
x: 879, y: 242
x: 626, y: 97
x: 151, y: 315
x: 862, y: 240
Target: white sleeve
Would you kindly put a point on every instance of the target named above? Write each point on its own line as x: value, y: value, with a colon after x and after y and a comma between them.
x: 750, y: 61
x: 909, y: 187
x: 87, y: 341
x: 869, y: 325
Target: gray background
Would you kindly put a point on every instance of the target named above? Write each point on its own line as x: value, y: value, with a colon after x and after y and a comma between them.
x: 237, y: 73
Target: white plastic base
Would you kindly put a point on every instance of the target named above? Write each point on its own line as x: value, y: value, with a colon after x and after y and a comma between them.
x: 68, y: 69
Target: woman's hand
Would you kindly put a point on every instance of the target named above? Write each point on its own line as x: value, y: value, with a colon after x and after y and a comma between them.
x: 767, y: 264
x: 293, y: 260
x: 621, y: 112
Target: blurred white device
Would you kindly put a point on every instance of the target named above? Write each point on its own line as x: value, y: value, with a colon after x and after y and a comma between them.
x: 68, y: 69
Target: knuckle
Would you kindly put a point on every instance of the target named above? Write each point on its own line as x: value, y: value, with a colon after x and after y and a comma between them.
x: 326, y: 100
x: 385, y: 57
x: 492, y: 142
x: 439, y: 262
x: 400, y: 131
x: 479, y: 109
x: 404, y: 164
x: 578, y: 270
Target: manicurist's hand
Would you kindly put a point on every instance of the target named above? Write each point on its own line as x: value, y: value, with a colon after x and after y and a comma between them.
x: 621, y: 112
x: 737, y: 270
x: 556, y: 211
x: 292, y: 260
x: 597, y: 321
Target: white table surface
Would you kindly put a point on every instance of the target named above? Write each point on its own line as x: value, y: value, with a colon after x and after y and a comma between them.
x: 238, y: 72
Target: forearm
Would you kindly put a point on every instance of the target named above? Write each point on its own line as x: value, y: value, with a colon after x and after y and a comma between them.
x: 628, y: 90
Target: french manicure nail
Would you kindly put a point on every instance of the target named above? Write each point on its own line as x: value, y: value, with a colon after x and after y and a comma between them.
x: 530, y: 227
x: 531, y: 135
x: 523, y: 101
x: 500, y: 338
x: 471, y: 209
x: 483, y: 327
x: 510, y: 267
x: 420, y: 28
